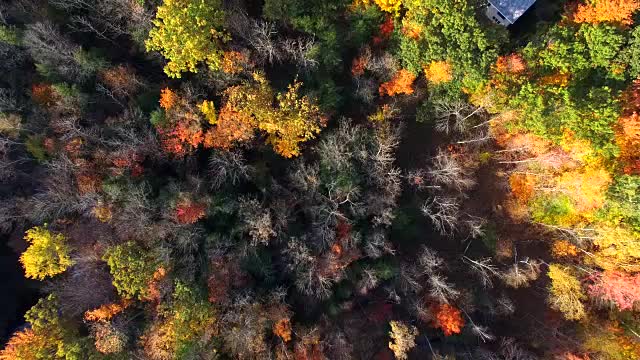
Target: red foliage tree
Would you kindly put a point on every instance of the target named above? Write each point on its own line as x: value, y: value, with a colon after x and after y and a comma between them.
x: 616, y: 287
x: 386, y: 29
x: 43, y: 94
x: 190, y: 212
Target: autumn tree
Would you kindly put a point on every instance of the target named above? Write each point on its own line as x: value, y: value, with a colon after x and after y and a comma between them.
x: 190, y: 212
x: 616, y: 288
x: 565, y: 293
x: 448, y: 318
x: 180, y: 123
x: 49, y: 337
x: 121, y: 80
x: 109, y: 339
x: 107, y: 311
x: 188, y: 32
x: 438, y: 72
x: 628, y: 140
x: 295, y: 119
x: 403, y: 339
x: 598, y: 11
x: 47, y: 254
x: 444, y: 34
x: 401, y: 83
x: 185, y: 326
x: 391, y: 6
x: 282, y: 328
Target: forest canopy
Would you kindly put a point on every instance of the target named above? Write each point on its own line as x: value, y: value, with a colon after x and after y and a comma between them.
x: 306, y: 179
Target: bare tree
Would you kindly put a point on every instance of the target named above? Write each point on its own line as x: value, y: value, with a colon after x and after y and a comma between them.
x: 509, y: 350
x: 522, y: 272
x: 85, y: 286
x: 443, y: 213
x: 456, y: 116
x: 228, y: 167
x: 366, y: 89
x: 483, y: 269
x: 47, y: 46
x: 428, y: 262
x: 447, y: 172
x: 383, y: 66
x: 108, y: 19
x: 441, y: 290
x: 299, y: 51
x: 8, y: 101
x: 378, y: 245
x: 58, y: 196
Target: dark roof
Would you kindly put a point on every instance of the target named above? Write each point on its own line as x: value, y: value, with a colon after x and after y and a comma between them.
x: 512, y: 9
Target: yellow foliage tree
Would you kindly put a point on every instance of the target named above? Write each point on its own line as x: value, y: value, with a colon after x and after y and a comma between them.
x: 587, y: 187
x: 565, y: 293
x: 47, y: 254
x: 188, y: 32
x: 208, y: 109
x: 438, y: 72
x: 391, y: 6
x: 295, y: 119
x: 617, y: 247
x: 403, y: 337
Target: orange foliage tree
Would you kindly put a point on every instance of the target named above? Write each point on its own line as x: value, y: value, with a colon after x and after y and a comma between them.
x: 23, y: 345
x: 120, y: 79
x: 563, y: 248
x: 411, y: 29
x: 522, y: 186
x: 511, y: 64
x: 449, y: 319
x: 598, y: 11
x: 168, y: 98
x: 181, y: 130
x: 107, y: 311
x: 401, y: 83
x: 282, y: 328
x: 628, y: 140
x: 233, y: 62
x: 587, y: 187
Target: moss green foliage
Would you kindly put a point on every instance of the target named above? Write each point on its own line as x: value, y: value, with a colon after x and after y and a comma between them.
x: 132, y: 269
x: 552, y: 210
x: 35, y: 147
x: 9, y: 35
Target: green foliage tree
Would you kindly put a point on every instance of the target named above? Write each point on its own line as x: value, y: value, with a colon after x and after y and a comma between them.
x: 188, y: 32
x: 47, y: 254
x: 451, y: 31
x: 132, y: 269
